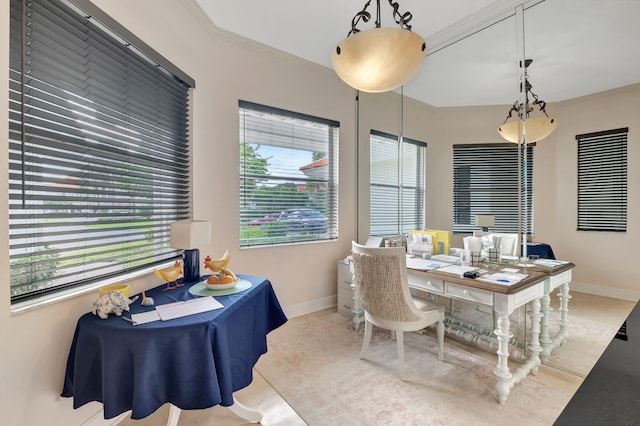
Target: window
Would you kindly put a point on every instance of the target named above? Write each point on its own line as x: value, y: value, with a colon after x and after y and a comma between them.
x: 485, y: 181
x: 385, y: 189
x: 98, y: 149
x: 602, y: 181
x: 288, y: 177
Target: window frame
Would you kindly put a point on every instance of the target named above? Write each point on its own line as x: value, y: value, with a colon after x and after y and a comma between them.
x: 86, y: 148
x: 413, y: 217
x: 476, y: 166
x: 602, y: 176
x: 275, y: 128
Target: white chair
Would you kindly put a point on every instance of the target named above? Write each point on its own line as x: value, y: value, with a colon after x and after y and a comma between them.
x: 509, y: 243
x: 380, y: 277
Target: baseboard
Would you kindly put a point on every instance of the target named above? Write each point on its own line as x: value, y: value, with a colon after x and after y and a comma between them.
x: 599, y: 290
x: 300, y: 309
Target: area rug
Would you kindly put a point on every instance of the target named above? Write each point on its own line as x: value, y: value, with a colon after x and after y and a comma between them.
x: 586, y: 341
x: 313, y: 363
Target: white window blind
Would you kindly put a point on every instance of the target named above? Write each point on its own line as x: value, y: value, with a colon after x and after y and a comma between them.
x: 386, y: 217
x: 602, y: 181
x: 288, y: 176
x: 485, y: 181
x: 98, y: 149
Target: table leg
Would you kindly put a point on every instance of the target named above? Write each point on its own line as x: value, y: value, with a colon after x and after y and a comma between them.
x: 545, y: 341
x: 238, y: 408
x: 506, y: 380
x: 174, y: 415
x: 548, y: 343
x: 241, y: 410
x: 502, y: 372
x: 564, y: 313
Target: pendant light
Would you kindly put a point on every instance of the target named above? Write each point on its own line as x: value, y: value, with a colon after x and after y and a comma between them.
x: 532, y: 129
x: 379, y: 59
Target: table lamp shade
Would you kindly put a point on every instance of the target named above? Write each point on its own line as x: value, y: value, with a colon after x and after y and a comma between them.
x: 189, y: 235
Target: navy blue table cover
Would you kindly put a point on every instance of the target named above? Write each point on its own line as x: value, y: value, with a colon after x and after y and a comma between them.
x: 193, y: 362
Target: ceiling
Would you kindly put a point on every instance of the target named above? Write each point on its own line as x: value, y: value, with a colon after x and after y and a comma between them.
x: 578, y: 47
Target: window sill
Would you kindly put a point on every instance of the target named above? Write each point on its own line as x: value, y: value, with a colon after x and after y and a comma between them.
x: 63, y: 295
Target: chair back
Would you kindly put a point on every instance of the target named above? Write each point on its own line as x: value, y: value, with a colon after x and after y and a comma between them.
x: 509, y: 243
x: 380, y: 276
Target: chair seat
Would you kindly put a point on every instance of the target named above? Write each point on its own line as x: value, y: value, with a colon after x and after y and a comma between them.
x: 425, y: 305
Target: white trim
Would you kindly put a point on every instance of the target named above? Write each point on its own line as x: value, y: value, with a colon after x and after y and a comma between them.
x: 600, y: 290
x: 316, y: 305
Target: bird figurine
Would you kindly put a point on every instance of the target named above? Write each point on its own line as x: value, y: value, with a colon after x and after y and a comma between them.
x: 146, y: 301
x: 222, y: 274
x: 170, y: 275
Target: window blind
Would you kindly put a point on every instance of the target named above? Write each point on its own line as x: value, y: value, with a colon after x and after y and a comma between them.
x: 98, y: 150
x: 602, y: 181
x: 386, y: 217
x: 485, y: 181
x: 288, y: 176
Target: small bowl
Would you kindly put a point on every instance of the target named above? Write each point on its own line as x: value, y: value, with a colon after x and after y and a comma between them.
x: 124, y: 288
x: 221, y: 286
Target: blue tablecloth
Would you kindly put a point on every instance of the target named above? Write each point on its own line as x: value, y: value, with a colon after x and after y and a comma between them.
x: 193, y: 362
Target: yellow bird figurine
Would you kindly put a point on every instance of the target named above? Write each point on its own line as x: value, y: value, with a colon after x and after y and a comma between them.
x: 170, y: 275
x: 219, y: 267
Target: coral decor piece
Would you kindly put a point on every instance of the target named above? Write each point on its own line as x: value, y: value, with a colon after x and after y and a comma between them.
x: 221, y: 274
x: 170, y: 275
x: 111, y: 302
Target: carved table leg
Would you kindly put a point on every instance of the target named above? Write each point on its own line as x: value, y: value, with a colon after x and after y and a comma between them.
x: 502, y: 372
x: 564, y: 312
x: 506, y: 380
x: 545, y: 340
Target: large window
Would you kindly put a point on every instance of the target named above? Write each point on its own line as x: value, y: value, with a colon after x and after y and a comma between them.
x: 288, y: 177
x: 485, y: 181
x: 602, y: 181
x: 396, y: 203
x: 98, y: 149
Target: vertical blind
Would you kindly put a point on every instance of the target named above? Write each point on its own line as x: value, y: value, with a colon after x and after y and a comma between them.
x: 602, y: 181
x: 98, y: 151
x: 288, y: 176
x: 485, y: 181
x: 385, y: 189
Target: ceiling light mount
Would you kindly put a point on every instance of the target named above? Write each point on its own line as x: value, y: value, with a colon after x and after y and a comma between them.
x: 382, y: 58
x: 526, y: 127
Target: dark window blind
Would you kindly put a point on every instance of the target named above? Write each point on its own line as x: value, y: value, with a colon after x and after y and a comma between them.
x: 485, y: 181
x: 98, y: 150
x: 602, y: 181
x: 386, y: 194
x: 288, y: 176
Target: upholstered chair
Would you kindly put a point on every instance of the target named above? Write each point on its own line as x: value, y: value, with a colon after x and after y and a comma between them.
x: 380, y: 277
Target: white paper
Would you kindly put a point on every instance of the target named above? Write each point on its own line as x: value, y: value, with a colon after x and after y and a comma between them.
x: 458, y: 270
x: 503, y: 278
x: 188, y: 307
x: 145, y: 317
x: 423, y: 264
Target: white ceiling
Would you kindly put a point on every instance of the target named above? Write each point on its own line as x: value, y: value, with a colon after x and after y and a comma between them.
x: 578, y: 47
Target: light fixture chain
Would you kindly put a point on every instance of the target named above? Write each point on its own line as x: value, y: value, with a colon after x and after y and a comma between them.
x: 402, y: 19
x: 364, y: 15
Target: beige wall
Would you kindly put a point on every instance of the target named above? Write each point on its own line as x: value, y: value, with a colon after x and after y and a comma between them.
x: 35, y: 344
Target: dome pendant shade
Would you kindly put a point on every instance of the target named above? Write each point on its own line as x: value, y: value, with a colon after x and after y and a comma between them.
x: 537, y: 129
x: 379, y: 59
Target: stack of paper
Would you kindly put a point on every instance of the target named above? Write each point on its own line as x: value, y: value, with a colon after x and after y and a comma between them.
x: 173, y: 310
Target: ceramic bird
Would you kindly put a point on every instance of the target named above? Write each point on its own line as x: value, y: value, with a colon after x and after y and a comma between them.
x: 219, y: 267
x: 170, y: 275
